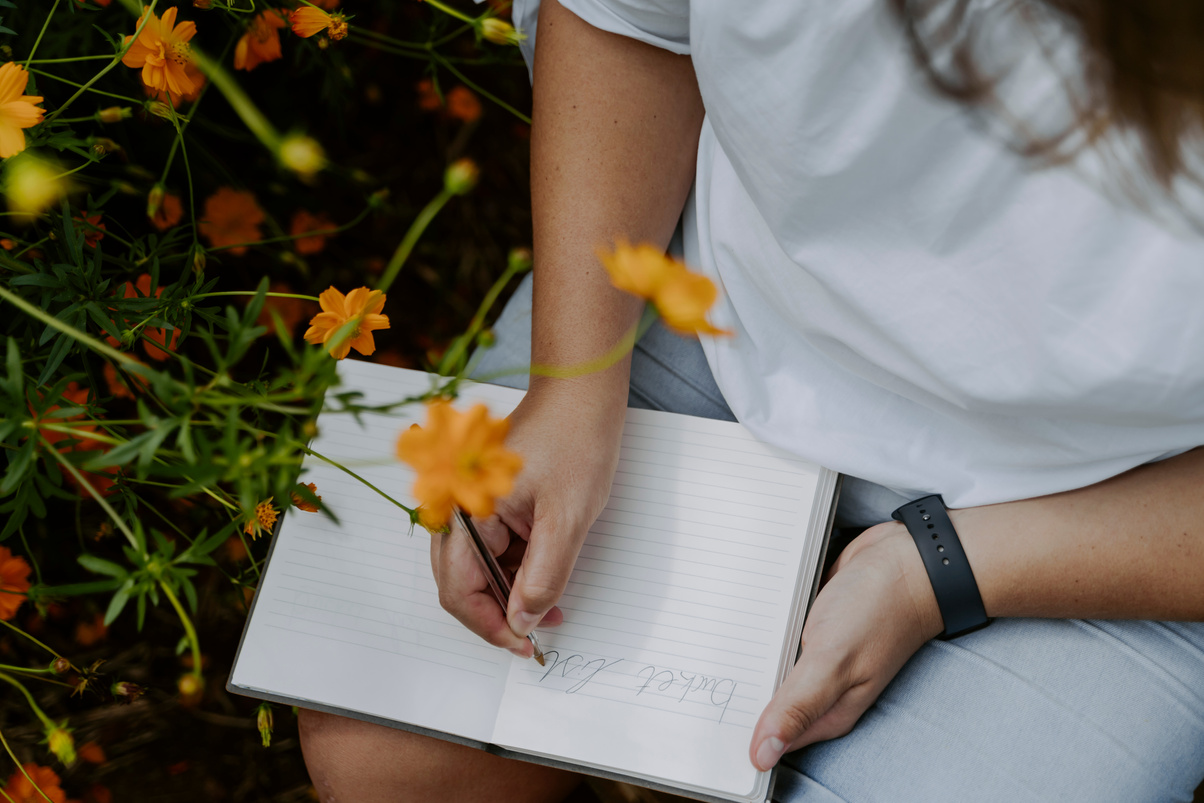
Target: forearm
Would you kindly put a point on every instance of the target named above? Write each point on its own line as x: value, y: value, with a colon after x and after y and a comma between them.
x: 1131, y: 547
x: 613, y: 150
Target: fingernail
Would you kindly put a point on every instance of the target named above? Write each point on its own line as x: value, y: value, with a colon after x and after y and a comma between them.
x: 769, y: 752
x: 523, y: 623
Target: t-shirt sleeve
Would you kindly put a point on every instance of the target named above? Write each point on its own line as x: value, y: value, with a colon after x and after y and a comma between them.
x: 660, y: 23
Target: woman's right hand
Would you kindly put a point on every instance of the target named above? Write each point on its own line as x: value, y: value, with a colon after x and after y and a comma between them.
x: 567, y: 433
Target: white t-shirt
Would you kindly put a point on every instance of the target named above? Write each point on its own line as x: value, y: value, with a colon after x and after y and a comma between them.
x: 914, y: 303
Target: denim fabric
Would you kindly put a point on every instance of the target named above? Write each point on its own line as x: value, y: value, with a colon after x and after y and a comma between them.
x: 1024, y: 710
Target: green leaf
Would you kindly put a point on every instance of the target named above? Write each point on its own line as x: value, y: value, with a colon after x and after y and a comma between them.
x: 16, y: 376
x: 117, y: 603
x: 101, y: 566
x: 181, y: 645
x: 17, y: 467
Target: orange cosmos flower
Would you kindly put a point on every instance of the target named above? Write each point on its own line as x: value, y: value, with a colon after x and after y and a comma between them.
x: 263, y: 520
x: 461, y: 459
x: 463, y: 105
x: 307, y: 21
x: 163, y: 96
x: 91, y: 752
x: 301, y: 504
x: 14, y: 582
x: 680, y: 296
x: 168, y: 213
x: 140, y: 288
x: 20, y: 790
x: 94, y: 230
x: 17, y: 110
x: 117, y: 387
x: 261, y: 42
x: 231, y: 217
x: 303, y: 223
x: 361, y: 305
x: 87, y: 633
x: 163, y: 53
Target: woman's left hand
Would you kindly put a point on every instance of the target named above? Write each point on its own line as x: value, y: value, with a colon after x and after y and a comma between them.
x: 872, y: 614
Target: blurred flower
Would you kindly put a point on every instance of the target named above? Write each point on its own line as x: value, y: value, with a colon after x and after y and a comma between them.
x: 681, y: 297
x: 125, y: 692
x: 301, y: 504
x: 14, y: 582
x: 301, y: 154
x: 94, y: 230
x: 263, y: 520
x: 169, y: 213
x: 101, y: 3
x: 45, y: 785
x: 98, y: 793
x: 114, y: 114
x: 231, y: 217
x: 304, y: 222
x: 17, y: 110
x: 7, y: 244
x: 461, y: 176
x: 463, y: 105
x: 428, y: 98
x: 162, y: 52
x: 88, y: 633
x: 307, y: 21
x: 329, y: 5
x: 263, y: 721
x: 501, y: 32
x: 191, y: 688
x: 92, y: 753
x: 140, y: 288
x: 460, y: 459
x: 261, y: 41
x: 360, y: 305
x: 60, y: 742
x: 32, y: 184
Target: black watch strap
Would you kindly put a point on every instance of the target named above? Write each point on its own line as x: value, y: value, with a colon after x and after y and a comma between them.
x: 952, y: 580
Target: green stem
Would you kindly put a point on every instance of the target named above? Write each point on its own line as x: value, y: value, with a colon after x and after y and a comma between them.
x: 330, y: 232
x: 189, y: 630
x: 83, y: 482
x: 478, y: 320
x: 32, y: 60
x: 477, y: 88
x: 253, y: 292
x: 411, y: 238
x: 451, y: 12
x: 251, y: 116
x: 616, y: 353
x: 47, y: 721
x: 86, y: 88
x: 21, y: 632
x: 368, y: 33
x: 351, y: 473
x: 41, y: 33
x: 20, y: 767
x: 104, y: 70
x: 10, y: 668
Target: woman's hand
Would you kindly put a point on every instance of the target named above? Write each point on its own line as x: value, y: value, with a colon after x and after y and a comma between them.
x: 568, y: 436
x: 874, y: 611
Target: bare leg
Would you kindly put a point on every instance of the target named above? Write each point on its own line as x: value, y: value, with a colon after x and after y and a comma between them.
x: 357, y: 762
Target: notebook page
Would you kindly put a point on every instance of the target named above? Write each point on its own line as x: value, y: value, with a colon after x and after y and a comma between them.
x: 348, y: 615
x: 675, y: 612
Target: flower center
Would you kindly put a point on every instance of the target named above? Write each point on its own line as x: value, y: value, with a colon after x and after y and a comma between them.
x: 180, y: 52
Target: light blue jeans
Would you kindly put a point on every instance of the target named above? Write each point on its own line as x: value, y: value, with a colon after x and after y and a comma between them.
x: 1024, y: 710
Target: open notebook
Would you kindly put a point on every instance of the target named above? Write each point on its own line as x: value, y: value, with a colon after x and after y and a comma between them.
x: 682, y: 615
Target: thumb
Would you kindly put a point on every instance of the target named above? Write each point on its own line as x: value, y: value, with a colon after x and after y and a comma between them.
x: 544, y: 573
x: 810, y: 692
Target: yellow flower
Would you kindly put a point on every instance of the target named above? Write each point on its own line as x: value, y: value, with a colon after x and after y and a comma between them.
x: 501, y: 32
x: 680, y: 296
x: 461, y: 459
x: 163, y: 53
x: 61, y: 743
x: 307, y: 21
x: 263, y: 521
x: 17, y: 110
x: 32, y: 185
x: 360, y: 305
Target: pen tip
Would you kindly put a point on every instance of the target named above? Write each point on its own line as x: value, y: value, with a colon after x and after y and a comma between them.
x: 539, y: 658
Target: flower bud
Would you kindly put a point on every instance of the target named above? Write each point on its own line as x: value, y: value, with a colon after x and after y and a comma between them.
x: 60, y: 665
x: 302, y: 154
x: 190, y: 688
x: 486, y: 339
x: 102, y: 146
x: 377, y: 199
x: 154, y: 199
x: 61, y: 743
x: 114, y: 114
x: 500, y: 32
x: 461, y: 176
x: 202, y: 4
x: 32, y: 185
x: 160, y: 109
x: 125, y: 692
x: 520, y: 260
x: 309, y: 429
x: 263, y: 721
x: 199, y: 260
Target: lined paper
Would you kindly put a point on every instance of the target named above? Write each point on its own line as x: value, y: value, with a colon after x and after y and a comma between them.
x: 674, y: 615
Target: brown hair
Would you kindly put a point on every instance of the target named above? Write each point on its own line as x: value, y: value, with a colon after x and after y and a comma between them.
x: 1141, y: 63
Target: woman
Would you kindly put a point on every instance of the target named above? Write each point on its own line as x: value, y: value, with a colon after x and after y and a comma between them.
x: 917, y: 305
